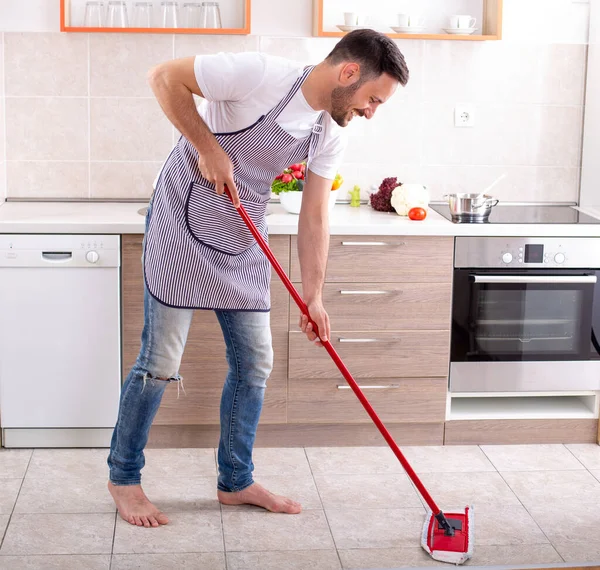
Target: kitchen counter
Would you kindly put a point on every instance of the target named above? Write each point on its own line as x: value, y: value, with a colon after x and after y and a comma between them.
x: 123, y: 218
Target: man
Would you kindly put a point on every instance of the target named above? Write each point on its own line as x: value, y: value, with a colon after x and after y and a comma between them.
x: 259, y: 115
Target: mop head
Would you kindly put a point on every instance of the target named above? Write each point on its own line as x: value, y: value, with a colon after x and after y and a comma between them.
x: 455, y: 549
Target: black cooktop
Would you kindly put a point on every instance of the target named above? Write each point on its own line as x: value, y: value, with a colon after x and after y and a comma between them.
x: 526, y: 214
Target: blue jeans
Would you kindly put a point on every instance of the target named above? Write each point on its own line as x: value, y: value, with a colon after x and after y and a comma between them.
x: 249, y: 355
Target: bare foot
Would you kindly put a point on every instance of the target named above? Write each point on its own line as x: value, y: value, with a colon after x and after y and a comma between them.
x: 134, y: 507
x: 259, y: 496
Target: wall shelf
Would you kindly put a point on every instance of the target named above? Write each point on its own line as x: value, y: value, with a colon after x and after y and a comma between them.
x: 234, y: 12
x: 491, y: 21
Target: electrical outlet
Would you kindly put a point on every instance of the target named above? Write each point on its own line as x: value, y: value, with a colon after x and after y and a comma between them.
x: 464, y: 116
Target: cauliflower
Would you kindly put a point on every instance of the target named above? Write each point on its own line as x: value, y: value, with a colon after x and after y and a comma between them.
x: 409, y: 196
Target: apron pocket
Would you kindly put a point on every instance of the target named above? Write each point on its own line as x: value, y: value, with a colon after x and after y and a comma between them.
x: 214, y: 222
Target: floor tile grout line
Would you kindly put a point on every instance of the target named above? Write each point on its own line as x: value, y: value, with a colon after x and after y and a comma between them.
x: 527, y: 511
x: 558, y: 553
x: 579, y: 460
x: 112, y: 546
x: 215, y: 455
x: 12, y: 512
x: 519, y: 499
x: 323, y: 507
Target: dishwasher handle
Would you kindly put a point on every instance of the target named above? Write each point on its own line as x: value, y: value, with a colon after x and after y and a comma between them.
x: 57, y: 256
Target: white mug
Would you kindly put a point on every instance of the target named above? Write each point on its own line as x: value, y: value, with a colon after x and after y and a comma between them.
x: 352, y: 19
x: 462, y: 21
x: 408, y: 21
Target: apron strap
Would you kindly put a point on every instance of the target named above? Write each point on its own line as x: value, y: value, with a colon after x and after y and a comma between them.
x: 276, y: 111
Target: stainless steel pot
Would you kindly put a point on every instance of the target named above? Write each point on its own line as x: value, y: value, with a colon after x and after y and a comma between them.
x: 470, y: 205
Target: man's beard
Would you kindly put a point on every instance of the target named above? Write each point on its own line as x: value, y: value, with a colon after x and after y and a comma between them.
x: 340, y: 103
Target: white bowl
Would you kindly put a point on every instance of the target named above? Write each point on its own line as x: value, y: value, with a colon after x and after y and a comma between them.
x: 292, y: 201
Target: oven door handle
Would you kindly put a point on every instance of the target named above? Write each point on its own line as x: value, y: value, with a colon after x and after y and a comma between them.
x: 534, y: 279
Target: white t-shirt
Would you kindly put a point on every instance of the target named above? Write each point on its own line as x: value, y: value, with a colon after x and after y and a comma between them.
x: 239, y: 88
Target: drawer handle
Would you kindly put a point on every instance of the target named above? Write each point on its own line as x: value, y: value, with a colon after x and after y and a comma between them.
x: 371, y: 387
x: 371, y: 243
x: 358, y: 339
x: 363, y: 292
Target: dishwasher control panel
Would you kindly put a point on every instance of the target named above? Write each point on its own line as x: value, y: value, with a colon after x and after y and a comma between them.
x: 56, y: 250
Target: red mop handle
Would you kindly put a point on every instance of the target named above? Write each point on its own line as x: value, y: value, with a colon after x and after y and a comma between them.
x: 338, y: 361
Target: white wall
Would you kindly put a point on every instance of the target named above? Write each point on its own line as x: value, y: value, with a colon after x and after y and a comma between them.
x: 528, y: 100
x: 590, y: 173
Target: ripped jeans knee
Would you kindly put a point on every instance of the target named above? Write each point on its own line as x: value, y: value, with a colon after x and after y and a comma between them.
x: 159, y: 380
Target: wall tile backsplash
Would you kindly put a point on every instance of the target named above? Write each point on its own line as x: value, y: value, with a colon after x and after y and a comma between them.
x: 78, y: 120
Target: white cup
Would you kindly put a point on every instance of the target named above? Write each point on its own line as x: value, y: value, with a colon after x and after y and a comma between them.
x: 410, y: 21
x: 352, y: 19
x: 459, y: 21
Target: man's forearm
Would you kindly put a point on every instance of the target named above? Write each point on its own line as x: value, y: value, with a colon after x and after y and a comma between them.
x: 313, y: 247
x: 177, y: 102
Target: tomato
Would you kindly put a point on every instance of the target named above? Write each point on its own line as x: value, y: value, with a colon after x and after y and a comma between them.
x: 417, y: 213
x: 295, y: 167
x: 286, y: 178
x: 297, y: 174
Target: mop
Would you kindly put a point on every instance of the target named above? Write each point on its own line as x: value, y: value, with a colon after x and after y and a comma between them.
x: 445, y: 537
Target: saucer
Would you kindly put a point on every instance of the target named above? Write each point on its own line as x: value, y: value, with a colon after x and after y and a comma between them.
x: 349, y: 28
x: 408, y: 29
x: 461, y: 31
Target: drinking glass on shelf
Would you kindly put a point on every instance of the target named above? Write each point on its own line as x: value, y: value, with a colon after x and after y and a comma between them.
x: 170, y: 14
x: 192, y: 14
x: 142, y: 15
x: 94, y: 12
x: 117, y: 14
x: 211, y: 15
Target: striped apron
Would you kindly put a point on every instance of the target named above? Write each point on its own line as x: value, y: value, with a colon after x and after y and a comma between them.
x: 198, y: 252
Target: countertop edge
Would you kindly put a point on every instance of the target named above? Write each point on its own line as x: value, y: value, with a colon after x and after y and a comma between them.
x: 123, y: 218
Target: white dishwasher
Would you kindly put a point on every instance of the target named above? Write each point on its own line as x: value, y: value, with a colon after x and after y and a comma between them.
x: 60, y: 355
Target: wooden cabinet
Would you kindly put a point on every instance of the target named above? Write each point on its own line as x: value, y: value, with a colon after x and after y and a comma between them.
x: 203, y: 366
x: 234, y: 14
x: 388, y: 300
x: 328, y: 15
x: 389, y: 303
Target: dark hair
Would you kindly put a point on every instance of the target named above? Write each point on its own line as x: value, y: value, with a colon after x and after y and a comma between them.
x: 374, y: 52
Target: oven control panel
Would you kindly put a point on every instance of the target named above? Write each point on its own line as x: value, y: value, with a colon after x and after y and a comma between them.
x: 527, y: 253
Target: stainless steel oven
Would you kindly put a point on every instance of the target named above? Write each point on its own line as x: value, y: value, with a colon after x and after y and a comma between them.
x: 525, y: 315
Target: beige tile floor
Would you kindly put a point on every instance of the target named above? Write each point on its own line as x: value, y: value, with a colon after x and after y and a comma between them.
x: 533, y: 505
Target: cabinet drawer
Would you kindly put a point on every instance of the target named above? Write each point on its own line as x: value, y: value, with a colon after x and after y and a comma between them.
x: 385, y: 306
x: 398, y: 400
x: 385, y: 259
x: 398, y: 354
